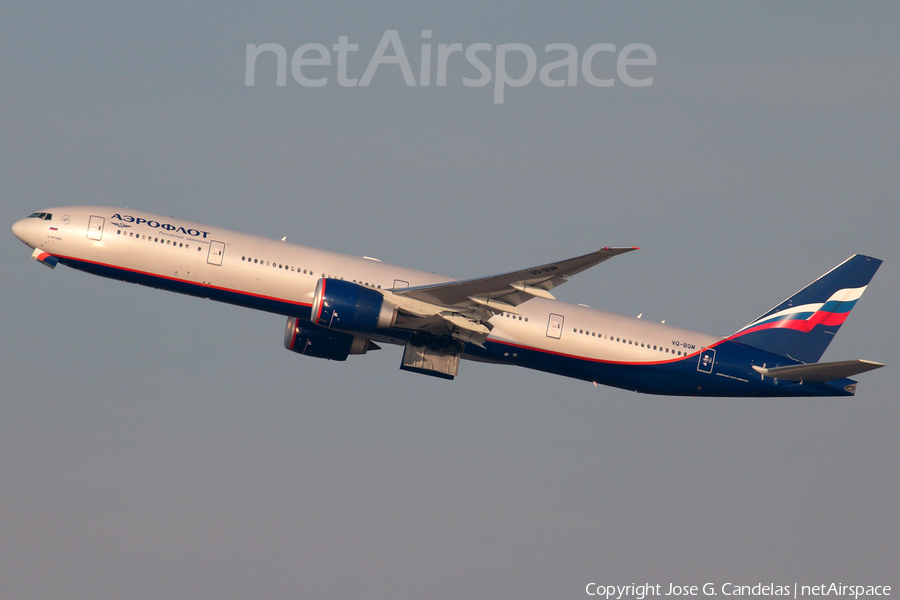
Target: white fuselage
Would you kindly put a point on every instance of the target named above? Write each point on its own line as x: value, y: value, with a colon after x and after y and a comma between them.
x: 257, y: 268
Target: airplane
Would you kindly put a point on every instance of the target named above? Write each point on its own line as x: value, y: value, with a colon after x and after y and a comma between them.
x: 338, y: 305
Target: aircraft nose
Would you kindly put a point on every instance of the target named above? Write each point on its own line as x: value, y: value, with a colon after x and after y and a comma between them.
x: 19, y: 228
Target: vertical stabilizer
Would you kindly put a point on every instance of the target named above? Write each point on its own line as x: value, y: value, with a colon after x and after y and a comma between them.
x: 802, y: 326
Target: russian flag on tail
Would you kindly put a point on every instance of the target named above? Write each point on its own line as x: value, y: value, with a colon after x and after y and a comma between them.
x: 802, y: 326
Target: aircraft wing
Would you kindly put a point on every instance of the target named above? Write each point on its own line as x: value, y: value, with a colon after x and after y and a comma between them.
x: 507, y: 290
x: 463, y: 309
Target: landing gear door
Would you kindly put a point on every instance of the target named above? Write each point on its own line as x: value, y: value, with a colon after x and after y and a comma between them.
x: 555, y: 326
x: 707, y: 360
x: 95, y: 228
x: 216, y: 253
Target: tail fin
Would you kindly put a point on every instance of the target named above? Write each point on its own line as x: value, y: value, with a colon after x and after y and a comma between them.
x: 802, y: 326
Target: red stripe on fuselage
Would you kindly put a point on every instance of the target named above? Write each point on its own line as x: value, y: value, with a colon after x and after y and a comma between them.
x: 505, y: 343
x: 198, y: 284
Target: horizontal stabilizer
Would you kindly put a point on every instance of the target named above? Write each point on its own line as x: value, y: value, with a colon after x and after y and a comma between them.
x: 820, y: 371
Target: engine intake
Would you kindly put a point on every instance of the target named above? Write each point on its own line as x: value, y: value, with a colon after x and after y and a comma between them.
x: 346, y: 306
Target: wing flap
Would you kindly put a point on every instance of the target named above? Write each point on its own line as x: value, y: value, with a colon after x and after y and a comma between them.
x: 533, y: 291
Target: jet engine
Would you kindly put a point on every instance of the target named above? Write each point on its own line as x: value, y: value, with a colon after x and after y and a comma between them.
x: 319, y: 343
x: 346, y: 306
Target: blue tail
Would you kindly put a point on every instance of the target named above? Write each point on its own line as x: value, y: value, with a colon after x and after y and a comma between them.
x: 802, y: 326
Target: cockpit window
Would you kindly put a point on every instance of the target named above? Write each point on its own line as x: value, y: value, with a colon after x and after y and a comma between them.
x: 41, y: 215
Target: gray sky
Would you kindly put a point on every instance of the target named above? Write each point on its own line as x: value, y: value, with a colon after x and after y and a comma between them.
x: 159, y: 446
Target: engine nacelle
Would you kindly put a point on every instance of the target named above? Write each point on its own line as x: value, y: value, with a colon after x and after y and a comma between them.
x: 333, y: 345
x: 346, y: 306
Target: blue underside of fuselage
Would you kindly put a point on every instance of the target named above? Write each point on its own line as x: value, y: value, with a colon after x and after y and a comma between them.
x: 730, y: 377
x: 678, y: 378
